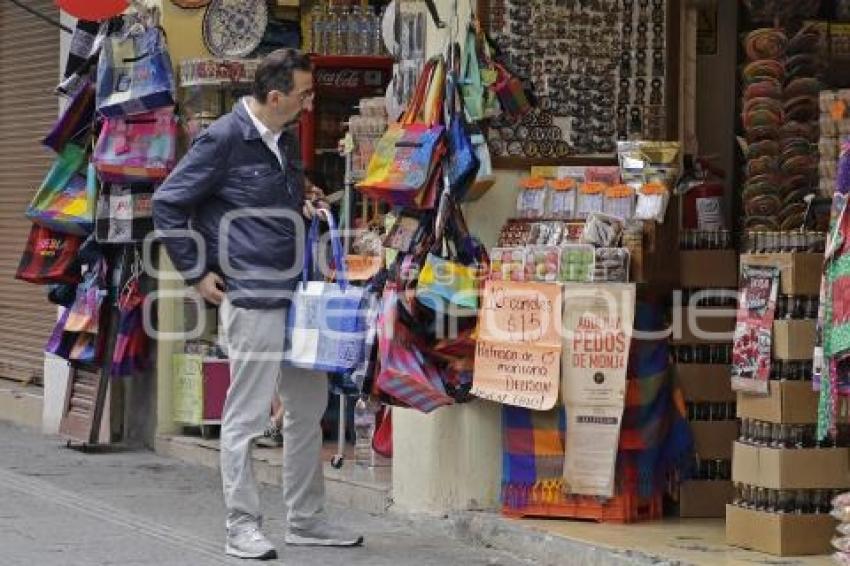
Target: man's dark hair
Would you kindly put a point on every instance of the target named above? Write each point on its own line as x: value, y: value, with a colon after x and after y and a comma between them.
x: 275, y: 72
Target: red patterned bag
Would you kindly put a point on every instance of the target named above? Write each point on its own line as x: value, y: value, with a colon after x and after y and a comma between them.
x: 405, y: 374
x: 50, y: 257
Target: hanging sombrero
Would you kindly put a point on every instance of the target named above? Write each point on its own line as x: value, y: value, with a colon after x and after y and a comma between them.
x: 765, y: 88
x: 803, y: 65
x: 760, y: 133
x: 765, y: 43
x: 765, y: 165
x: 764, y: 148
x: 763, y: 69
x: 761, y: 118
x: 798, y: 196
x: 763, y: 103
x: 800, y: 129
x: 807, y: 40
x: 799, y: 165
x: 802, y: 86
x: 762, y: 205
x: 760, y: 223
x: 802, y: 109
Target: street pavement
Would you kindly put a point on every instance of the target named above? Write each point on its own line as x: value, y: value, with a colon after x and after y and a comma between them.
x: 62, y: 507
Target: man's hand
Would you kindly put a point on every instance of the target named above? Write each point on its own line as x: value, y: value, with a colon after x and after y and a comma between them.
x: 314, y: 198
x: 211, y: 288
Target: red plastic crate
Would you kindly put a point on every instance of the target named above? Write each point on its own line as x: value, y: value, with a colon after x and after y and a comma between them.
x: 626, y: 508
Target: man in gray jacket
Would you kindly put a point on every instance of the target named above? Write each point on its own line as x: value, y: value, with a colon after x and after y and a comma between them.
x: 231, y: 216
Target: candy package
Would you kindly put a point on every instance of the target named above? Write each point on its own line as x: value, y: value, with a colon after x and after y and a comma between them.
x: 542, y: 263
x: 531, y: 201
x: 611, y: 265
x: 652, y: 202
x: 602, y: 231
x: 507, y: 264
x: 577, y: 263
x: 562, y: 199
x: 591, y: 199
x: 620, y: 201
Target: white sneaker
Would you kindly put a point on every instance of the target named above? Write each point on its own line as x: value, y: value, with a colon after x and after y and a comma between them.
x: 322, y: 534
x: 249, y: 543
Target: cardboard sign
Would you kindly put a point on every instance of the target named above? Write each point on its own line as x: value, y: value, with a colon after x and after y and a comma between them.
x: 518, y: 352
x: 188, y: 388
x: 593, y: 434
x: 361, y: 267
x: 752, y: 345
x: 598, y: 321
x: 521, y: 312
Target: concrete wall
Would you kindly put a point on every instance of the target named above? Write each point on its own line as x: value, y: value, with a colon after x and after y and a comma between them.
x: 185, y: 41
x: 451, y: 459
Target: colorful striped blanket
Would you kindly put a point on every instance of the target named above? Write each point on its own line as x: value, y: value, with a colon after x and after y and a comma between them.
x: 655, y: 441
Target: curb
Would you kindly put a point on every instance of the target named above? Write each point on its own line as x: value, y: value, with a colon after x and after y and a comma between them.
x: 494, y: 531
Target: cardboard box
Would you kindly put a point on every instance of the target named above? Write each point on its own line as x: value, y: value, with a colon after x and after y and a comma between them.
x: 780, y: 534
x: 702, y: 325
x: 704, y: 499
x: 708, y: 269
x: 655, y: 256
x: 791, y: 468
x: 794, y: 339
x: 788, y: 402
x: 799, y: 272
x: 705, y: 382
x: 714, y: 439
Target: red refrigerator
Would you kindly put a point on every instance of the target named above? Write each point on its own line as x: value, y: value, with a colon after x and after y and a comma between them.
x: 340, y: 82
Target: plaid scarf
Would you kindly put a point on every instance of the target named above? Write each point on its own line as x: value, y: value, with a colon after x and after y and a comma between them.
x: 655, y: 441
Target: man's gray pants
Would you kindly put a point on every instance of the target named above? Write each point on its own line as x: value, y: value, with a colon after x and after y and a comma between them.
x: 254, y: 341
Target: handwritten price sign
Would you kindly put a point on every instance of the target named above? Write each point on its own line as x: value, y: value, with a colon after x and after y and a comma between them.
x: 518, y: 354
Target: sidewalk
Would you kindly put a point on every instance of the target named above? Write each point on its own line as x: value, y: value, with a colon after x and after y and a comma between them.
x: 61, y: 507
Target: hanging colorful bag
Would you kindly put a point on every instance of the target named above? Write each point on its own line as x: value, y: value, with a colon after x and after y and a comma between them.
x: 138, y: 148
x: 84, y: 314
x: 446, y: 284
x: 49, y: 257
x: 134, y: 74
x: 327, y: 325
x: 124, y: 213
x: 65, y: 201
x: 77, y: 335
x: 60, y: 343
x: 75, y: 123
x: 382, y: 440
x: 461, y: 164
x: 511, y: 93
x: 404, y: 374
x: 130, y: 354
x: 403, y: 168
x: 478, y: 75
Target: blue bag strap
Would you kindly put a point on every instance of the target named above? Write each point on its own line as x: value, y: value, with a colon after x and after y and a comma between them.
x: 336, y: 247
x: 312, y: 238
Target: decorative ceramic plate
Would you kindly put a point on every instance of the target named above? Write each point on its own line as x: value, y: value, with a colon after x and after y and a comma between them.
x: 234, y: 28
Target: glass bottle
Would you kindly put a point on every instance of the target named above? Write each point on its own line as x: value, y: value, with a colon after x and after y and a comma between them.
x: 377, y: 34
x: 317, y: 25
x: 331, y: 21
x: 342, y: 31
x: 364, y: 429
x: 367, y: 23
x: 354, y: 22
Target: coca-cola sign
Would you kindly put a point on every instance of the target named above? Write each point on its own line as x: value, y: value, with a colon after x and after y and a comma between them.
x: 348, y: 79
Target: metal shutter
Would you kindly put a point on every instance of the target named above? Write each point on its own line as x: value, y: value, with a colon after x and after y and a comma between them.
x: 29, y: 71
